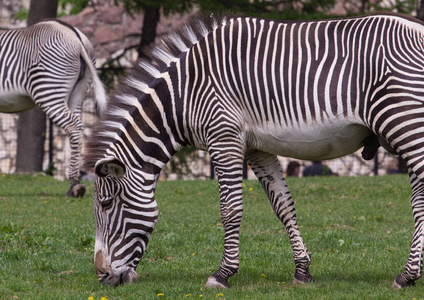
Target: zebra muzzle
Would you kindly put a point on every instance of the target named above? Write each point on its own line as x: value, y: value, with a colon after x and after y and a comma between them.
x: 109, y: 276
x: 116, y: 278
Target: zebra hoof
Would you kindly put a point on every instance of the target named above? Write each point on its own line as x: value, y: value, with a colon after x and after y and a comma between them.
x: 401, y: 282
x: 300, y: 279
x: 76, y: 191
x: 396, y: 286
x: 216, y: 282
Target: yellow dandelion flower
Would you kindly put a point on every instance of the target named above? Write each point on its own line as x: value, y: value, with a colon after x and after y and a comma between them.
x: 219, y: 294
x: 193, y: 254
x: 200, y: 296
x: 4, y: 175
x: 188, y: 295
x: 263, y: 275
x: 90, y: 298
x: 244, y: 185
x: 251, y: 189
x: 103, y: 298
x: 160, y: 294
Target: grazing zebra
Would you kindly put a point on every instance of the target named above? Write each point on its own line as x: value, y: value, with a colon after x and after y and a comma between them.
x: 46, y: 65
x: 242, y: 87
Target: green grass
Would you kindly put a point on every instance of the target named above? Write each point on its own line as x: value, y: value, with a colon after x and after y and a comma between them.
x: 358, y: 230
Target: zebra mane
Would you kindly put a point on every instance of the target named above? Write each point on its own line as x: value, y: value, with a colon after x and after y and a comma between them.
x: 158, y: 57
x: 154, y: 60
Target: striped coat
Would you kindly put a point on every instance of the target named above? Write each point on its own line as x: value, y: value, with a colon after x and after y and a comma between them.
x: 249, y: 88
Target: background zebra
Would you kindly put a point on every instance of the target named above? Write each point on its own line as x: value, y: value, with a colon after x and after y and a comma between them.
x: 50, y: 64
x: 242, y: 87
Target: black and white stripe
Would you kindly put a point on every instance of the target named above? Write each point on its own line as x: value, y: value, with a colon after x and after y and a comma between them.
x: 242, y: 87
x: 46, y: 65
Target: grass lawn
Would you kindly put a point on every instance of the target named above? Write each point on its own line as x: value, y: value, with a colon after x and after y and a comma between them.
x: 358, y: 230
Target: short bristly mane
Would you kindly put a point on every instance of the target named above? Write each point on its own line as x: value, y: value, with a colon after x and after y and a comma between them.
x: 155, y: 60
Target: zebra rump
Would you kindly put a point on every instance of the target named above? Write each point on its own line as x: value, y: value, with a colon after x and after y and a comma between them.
x: 50, y: 65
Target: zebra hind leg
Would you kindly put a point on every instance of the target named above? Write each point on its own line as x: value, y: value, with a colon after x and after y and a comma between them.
x: 413, y: 268
x: 71, y: 123
x: 76, y: 189
x: 268, y: 171
x: 75, y: 132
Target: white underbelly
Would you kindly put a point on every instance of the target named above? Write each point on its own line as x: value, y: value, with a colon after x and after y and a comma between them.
x: 310, y: 142
x: 13, y: 103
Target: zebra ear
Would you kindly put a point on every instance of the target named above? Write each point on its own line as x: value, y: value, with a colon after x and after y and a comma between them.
x: 110, y: 166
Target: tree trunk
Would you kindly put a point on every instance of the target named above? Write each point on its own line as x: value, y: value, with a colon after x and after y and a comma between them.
x: 41, y: 9
x: 420, y: 10
x: 32, y: 124
x: 148, y: 31
x: 364, y: 6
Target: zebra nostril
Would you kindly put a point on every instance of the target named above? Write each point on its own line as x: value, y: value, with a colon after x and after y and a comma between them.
x: 102, y: 274
x: 103, y: 277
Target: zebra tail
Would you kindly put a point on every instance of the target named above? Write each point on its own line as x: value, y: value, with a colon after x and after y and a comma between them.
x: 99, y: 89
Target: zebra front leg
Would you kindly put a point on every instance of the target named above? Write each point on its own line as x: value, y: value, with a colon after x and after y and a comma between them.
x: 72, y: 125
x: 268, y: 171
x: 229, y: 170
x: 414, y: 266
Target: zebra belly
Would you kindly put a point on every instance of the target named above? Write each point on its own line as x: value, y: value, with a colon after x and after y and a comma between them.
x: 314, y: 142
x: 12, y: 103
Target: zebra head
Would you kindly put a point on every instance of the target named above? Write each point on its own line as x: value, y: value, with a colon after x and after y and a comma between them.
x: 125, y: 218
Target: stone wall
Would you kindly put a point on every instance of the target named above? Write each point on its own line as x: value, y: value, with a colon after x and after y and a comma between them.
x: 8, y: 145
x: 8, y: 8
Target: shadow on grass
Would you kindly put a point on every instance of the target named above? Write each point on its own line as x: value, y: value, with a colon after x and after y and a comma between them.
x: 364, y: 278
x: 331, y: 277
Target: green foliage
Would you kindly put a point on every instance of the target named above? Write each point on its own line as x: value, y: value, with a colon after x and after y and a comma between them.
x: 405, y: 7
x: 22, y: 14
x: 167, y: 6
x: 76, y: 5
x: 294, y: 9
x: 357, y: 229
x: 274, y: 9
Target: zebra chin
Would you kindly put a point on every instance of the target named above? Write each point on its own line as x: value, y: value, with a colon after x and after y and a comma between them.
x: 124, y: 275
